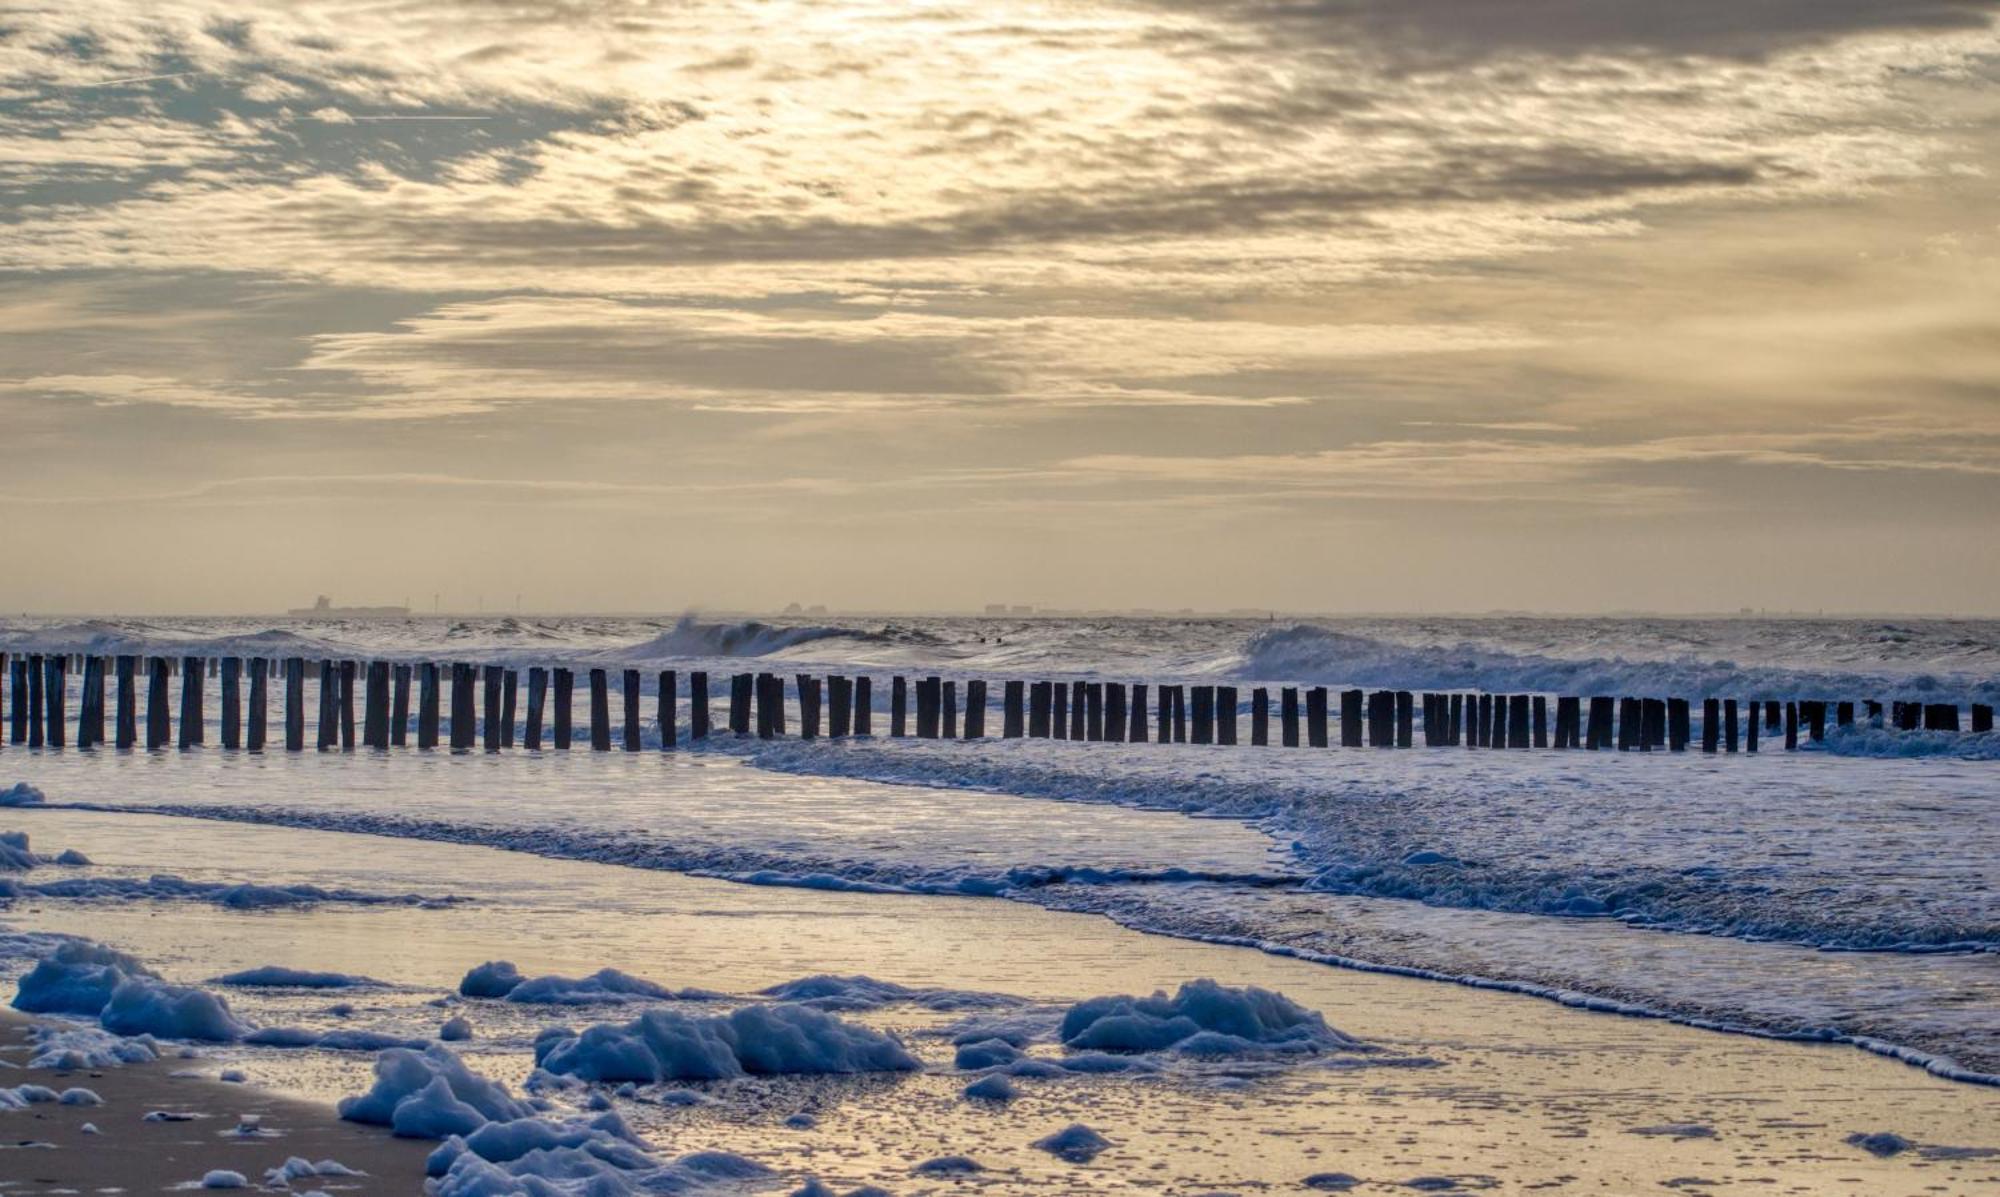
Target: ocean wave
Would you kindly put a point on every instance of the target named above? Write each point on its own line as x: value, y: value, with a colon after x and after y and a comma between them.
x: 1319, y: 655
x: 747, y: 638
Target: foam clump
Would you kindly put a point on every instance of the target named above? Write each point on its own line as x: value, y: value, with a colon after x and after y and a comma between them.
x: 1075, y: 1143
x: 146, y: 1006
x: 223, y: 1178
x: 500, y: 979
x: 1203, y: 1018
x: 74, y: 1049
x: 430, y: 1094
x: 276, y: 976
x: 300, y: 1168
x: 663, y: 1045
x: 126, y: 997
x: 829, y: 992
x: 455, y: 1029
x: 22, y: 794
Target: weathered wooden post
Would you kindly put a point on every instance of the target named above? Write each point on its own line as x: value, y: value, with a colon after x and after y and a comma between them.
x: 375, y: 709
x: 1711, y: 719
x: 1405, y: 717
x: 840, y: 695
x: 18, y: 687
x: 864, y: 706
x: 1288, y: 716
x: 1012, y: 722
x: 1941, y: 716
x: 126, y: 727
x: 1260, y: 717
x: 975, y: 710
x: 1541, y: 721
x: 1750, y: 725
x: 1350, y: 718
x: 1116, y: 715
x: 930, y: 695
x: 1843, y: 714
x: 55, y: 685
x: 808, y: 706
x: 669, y: 699
x: 1381, y: 719
x: 1770, y: 714
x: 489, y: 707
x: 463, y: 720
x: 698, y: 705
x: 1874, y: 714
x: 347, y: 705
x: 739, y: 704
x: 1204, y: 714
x: 1678, y: 732
x: 1569, y: 718
x: 157, y: 730
x: 427, y: 705
x: 1982, y: 717
x: 899, y: 706
x: 1059, y: 710
x: 1628, y: 724
x: 510, y: 688
x: 1316, y: 717
x: 629, y: 684
x: 1729, y: 724
x: 1135, y: 732
x: 191, y: 712
x: 232, y: 703
x: 1180, y: 714
x: 1039, y: 703
x: 295, y: 704
x: 538, y: 705
x: 1093, y: 711
x: 947, y: 700
x: 1225, y: 715
x: 1791, y: 726
x: 1079, y: 714
x: 36, y: 718
x: 1601, y: 722
x: 90, y: 704
x: 1814, y: 713
x: 399, y: 704
x: 600, y: 711
x: 258, y: 724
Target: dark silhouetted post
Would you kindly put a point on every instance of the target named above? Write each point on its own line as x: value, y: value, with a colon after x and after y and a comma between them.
x: 1729, y: 724
x: 510, y: 689
x: 489, y: 694
x: 538, y: 705
x: 1405, y: 716
x: 600, y: 711
x: 1204, y: 714
x: 975, y: 710
x: 1135, y: 732
x: 1059, y: 710
x: 37, y: 723
x: 899, y: 706
x: 347, y: 705
x: 1093, y: 711
x: 1350, y: 718
x: 158, y: 732
x: 1982, y: 717
x: 128, y: 703
x: 864, y: 706
x: 1260, y: 717
x: 427, y: 705
x: 17, y: 691
x: 1518, y: 733
x: 463, y: 721
x: 1013, y: 723
x: 739, y: 704
x: 1316, y: 717
x: 1750, y: 726
x: 1180, y: 714
x: 1814, y: 714
x: 191, y: 712
x: 840, y: 705
x: 399, y: 705
x: 1843, y: 714
x: 1288, y: 716
x: 669, y: 695
x: 1039, y: 704
x: 295, y: 704
x: 947, y: 707
x: 1079, y: 714
x: 1791, y: 727
x: 1600, y: 723
x: 698, y: 705
x: 1711, y: 720
x: 930, y: 696
x: 90, y: 704
x: 1541, y: 721
x: 1941, y: 716
x: 629, y: 685
x: 55, y: 685
x: 375, y: 711
x: 808, y: 706
x: 260, y: 704
x: 1770, y: 714
x: 1569, y: 717
x: 1225, y: 715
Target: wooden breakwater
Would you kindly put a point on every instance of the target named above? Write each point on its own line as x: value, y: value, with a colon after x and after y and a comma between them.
x: 398, y: 699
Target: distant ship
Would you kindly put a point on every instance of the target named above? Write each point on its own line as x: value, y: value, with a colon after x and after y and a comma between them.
x: 324, y: 607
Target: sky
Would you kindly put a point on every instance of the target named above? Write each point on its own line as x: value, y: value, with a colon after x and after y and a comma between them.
x: 1314, y: 305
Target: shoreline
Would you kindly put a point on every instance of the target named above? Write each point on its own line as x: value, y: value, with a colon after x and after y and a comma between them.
x: 132, y: 1154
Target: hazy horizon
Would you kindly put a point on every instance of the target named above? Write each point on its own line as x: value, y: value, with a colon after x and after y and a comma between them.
x: 1390, y: 306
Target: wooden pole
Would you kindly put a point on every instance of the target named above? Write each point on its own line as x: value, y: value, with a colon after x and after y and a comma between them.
x: 899, y: 706
x: 1225, y: 715
x: 295, y: 704
x: 629, y: 685
x: 1093, y: 711
x: 1518, y: 733
x: 191, y: 712
x: 347, y: 705
x: 1350, y: 718
x: 1814, y: 714
x: 948, y: 707
x: 1078, y: 712
x: 1117, y: 716
x: 489, y: 707
x: 463, y: 720
x: 840, y: 704
x: 1982, y: 717
x: 975, y: 710
x: 1012, y: 722
x: 510, y: 687
x: 1541, y: 721
x: 1711, y: 719
x: 18, y: 687
x: 127, y: 727
x: 1791, y: 727
x: 1941, y: 716
x: 808, y: 706
x: 669, y: 698
x: 1288, y: 716
x: 1750, y: 727
x: 538, y: 705
x: 55, y: 678
x: 232, y: 703
x: 1180, y: 714
x: 929, y: 697
x: 375, y: 710
x: 157, y: 731
x: 260, y: 704
x: 1059, y: 710
x: 698, y: 718
x: 1405, y: 715
x: 36, y: 723
x: 1260, y: 717
x: 1729, y: 723
x: 90, y: 705
x: 1204, y: 714
x: 1040, y: 702
x: 427, y: 705
x: 739, y: 704
x: 399, y: 705
x: 864, y: 706
x: 1135, y: 732
x: 1316, y: 717
x: 1843, y: 714
x: 600, y: 711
